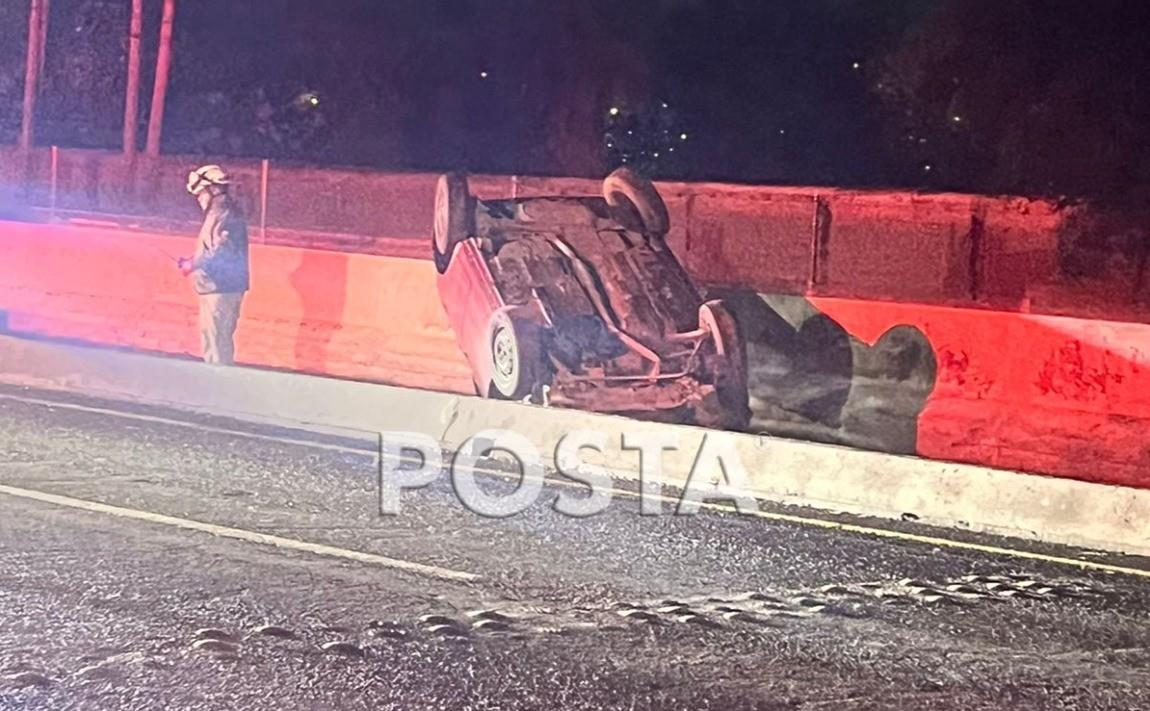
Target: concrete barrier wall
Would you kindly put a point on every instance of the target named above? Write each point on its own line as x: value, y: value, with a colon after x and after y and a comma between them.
x: 1061, y: 396
x: 1046, y: 394
x: 1012, y: 254
x: 739, y: 237
x: 350, y: 315
x: 890, y: 320
x: 890, y: 246
x: 811, y: 475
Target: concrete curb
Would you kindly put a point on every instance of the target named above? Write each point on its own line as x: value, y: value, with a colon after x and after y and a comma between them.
x: 822, y: 476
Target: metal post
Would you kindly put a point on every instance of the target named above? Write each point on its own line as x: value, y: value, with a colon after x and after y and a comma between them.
x: 32, y: 71
x: 55, y: 178
x: 132, y: 99
x: 163, y: 69
x: 265, y: 168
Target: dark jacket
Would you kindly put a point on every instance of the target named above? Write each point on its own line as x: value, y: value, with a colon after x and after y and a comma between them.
x: 220, y: 265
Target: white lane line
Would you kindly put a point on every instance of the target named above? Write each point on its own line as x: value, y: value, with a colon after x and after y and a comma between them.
x: 240, y: 534
x: 826, y: 524
x: 373, y: 441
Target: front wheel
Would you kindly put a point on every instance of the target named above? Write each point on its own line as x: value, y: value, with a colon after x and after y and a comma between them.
x: 518, y: 371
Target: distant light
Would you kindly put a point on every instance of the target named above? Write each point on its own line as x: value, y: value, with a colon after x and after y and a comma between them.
x: 314, y: 101
x: 656, y: 154
x: 856, y: 65
x: 630, y: 133
x: 928, y: 167
x: 610, y: 145
x: 782, y: 131
x: 957, y: 119
x: 614, y: 111
x: 682, y: 136
x: 482, y: 75
x: 665, y: 105
x: 671, y: 149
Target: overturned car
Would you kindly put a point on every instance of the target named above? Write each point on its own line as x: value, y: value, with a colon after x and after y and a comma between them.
x: 578, y: 302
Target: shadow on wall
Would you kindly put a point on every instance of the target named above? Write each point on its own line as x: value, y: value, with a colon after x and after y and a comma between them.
x: 809, y: 378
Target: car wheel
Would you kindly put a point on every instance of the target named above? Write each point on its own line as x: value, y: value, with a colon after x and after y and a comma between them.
x: 516, y: 348
x: 731, y: 371
x: 626, y: 186
x: 454, y: 213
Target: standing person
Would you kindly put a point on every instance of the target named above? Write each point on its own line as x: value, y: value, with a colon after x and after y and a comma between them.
x: 219, y: 270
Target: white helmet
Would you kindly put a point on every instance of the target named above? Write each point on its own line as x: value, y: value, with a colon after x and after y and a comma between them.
x: 202, y: 177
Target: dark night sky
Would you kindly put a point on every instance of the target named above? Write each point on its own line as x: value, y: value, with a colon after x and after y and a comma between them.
x: 762, y: 86
x: 789, y: 91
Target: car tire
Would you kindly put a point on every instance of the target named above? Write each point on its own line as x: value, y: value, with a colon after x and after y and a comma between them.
x: 454, y: 214
x: 731, y: 381
x: 516, y: 357
x: 626, y: 185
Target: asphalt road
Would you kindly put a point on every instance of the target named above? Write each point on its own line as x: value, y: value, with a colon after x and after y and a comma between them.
x: 129, y: 608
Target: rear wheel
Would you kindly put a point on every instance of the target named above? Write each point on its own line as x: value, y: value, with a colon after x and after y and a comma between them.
x: 517, y: 366
x: 625, y: 187
x: 454, y: 214
x: 731, y: 409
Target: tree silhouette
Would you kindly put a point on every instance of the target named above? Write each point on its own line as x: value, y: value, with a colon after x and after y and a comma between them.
x: 1027, y: 96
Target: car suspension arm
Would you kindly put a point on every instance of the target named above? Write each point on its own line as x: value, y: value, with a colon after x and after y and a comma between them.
x: 590, y: 285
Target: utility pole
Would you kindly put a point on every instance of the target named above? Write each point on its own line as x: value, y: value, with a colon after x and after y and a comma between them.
x: 163, y: 69
x: 132, y: 100
x: 37, y: 24
x: 45, y: 12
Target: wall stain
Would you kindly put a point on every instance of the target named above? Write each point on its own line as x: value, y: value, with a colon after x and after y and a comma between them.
x: 1065, y: 373
x: 954, y: 369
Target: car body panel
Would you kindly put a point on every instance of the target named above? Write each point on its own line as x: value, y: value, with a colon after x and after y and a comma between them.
x: 470, y: 298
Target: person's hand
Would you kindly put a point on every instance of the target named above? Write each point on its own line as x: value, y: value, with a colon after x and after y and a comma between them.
x: 184, y: 265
